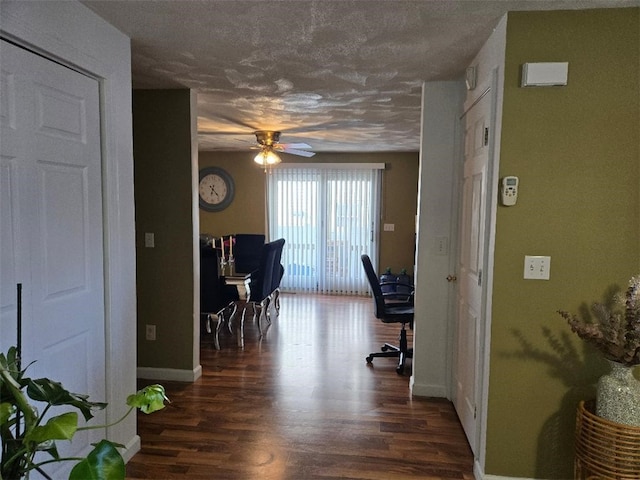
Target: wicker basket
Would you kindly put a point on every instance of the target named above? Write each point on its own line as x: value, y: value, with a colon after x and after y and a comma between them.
x: 605, y: 450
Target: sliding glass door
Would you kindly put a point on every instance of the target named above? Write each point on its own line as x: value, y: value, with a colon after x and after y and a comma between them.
x: 328, y: 217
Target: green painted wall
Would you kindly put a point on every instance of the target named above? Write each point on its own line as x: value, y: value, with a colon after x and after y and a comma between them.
x: 247, y: 212
x: 163, y: 201
x: 576, y: 151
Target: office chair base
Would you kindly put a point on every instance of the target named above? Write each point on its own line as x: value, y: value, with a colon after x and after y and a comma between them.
x: 388, y: 350
x: 392, y: 351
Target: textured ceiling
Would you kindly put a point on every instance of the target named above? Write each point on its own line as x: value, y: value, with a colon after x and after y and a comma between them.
x: 340, y: 75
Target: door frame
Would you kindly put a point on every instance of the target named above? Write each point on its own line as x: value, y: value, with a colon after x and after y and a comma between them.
x: 70, y: 34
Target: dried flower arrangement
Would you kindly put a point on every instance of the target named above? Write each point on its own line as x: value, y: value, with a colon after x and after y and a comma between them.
x: 615, y: 331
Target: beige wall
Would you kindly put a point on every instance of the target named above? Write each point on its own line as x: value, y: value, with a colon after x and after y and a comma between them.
x: 247, y: 212
x: 163, y: 200
x: 576, y: 151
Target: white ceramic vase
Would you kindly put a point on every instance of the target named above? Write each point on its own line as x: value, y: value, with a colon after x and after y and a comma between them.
x: 618, y: 395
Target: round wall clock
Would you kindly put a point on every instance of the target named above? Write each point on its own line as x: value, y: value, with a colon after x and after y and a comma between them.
x: 216, y: 189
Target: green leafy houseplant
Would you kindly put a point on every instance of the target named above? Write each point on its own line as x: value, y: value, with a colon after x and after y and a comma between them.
x: 24, y: 432
x: 612, y: 327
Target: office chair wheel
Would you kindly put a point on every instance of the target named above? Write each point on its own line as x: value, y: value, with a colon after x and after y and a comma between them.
x: 384, y: 348
x: 400, y: 370
x: 369, y: 359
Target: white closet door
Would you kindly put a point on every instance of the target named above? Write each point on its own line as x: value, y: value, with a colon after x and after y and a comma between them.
x: 470, y: 321
x: 52, y: 224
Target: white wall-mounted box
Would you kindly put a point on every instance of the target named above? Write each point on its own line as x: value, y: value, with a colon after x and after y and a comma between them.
x: 544, y: 74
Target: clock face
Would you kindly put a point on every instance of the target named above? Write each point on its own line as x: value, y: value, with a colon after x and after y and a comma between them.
x: 213, y: 189
x: 216, y: 189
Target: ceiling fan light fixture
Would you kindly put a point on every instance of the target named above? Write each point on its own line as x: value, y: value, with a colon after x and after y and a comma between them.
x: 267, y: 157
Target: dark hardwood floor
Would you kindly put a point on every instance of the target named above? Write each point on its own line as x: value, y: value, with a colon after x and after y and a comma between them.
x: 302, y: 404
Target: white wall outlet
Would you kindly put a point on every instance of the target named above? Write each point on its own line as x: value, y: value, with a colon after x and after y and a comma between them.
x: 537, y: 267
x: 389, y: 227
x: 150, y: 332
x: 149, y: 240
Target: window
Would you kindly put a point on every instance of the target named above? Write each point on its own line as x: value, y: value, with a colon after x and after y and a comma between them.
x: 328, y: 215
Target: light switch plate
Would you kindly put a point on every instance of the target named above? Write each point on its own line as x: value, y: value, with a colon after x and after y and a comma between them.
x: 149, y: 240
x: 537, y: 267
x: 389, y: 227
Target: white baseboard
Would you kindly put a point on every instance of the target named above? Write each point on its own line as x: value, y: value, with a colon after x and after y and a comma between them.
x: 172, y: 374
x: 131, y: 448
x: 500, y: 477
x: 480, y: 475
x: 423, y: 390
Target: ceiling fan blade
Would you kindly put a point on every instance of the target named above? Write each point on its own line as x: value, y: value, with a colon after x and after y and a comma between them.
x: 301, y: 153
x: 236, y: 121
x: 223, y: 132
x: 295, y: 146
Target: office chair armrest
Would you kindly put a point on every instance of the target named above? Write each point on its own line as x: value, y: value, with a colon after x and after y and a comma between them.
x: 397, y: 294
x: 398, y: 299
x: 384, y: 284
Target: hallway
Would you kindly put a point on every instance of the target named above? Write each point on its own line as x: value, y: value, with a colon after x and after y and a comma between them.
x: 302, y: 404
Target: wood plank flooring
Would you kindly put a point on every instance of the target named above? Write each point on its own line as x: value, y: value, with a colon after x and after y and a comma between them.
x: 302, y: 404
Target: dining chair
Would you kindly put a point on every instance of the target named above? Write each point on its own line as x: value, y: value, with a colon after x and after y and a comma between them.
x: 247, y: 249
x: 261, y: 283
x: 217, y: 301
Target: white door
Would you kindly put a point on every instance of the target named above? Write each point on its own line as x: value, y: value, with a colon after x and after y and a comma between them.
x: 51, y: 230
x: 471, y: 257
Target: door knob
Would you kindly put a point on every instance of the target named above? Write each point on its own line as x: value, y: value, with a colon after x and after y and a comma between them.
x: 451, y: 278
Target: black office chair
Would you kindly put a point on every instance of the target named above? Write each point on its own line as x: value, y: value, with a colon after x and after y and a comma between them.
x: 217, y: 300
x: 390, y: 308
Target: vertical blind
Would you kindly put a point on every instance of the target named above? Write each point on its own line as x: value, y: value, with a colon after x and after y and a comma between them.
x: 328, y: 217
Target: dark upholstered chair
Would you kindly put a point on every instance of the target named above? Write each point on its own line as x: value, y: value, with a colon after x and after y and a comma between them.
x: 276, y: 277
x: 390, y: 308
x: 217, y: 301
x: 247, y: 250
x: 261, y: 284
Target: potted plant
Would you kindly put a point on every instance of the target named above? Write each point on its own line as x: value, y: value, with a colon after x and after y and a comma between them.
x: 613, y: 328
x: 24, y: 431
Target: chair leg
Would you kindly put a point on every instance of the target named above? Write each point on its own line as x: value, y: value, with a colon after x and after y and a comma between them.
x: 256, y: 307
x: 241, y: 330
x: 276, y: 300
x: 216, y: 338
x: 232, y: 316
x: 264, y: 316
